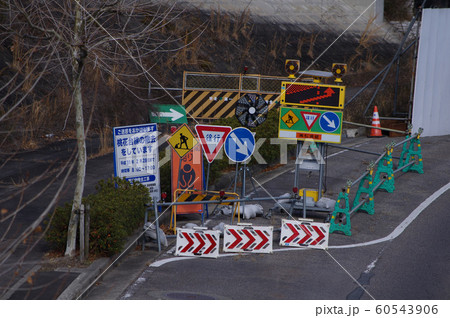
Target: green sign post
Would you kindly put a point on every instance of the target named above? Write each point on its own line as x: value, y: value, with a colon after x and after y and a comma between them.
x: 307, y: 124
x: 168, y: 114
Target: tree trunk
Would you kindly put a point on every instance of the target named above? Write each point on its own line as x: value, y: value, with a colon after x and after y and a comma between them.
x: 78, y: 55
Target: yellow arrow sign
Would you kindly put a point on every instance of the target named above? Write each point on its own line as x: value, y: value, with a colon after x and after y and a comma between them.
x: 182, y: 140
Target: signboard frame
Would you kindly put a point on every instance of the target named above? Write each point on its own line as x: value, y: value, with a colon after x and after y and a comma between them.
x: 301, y: 130
x: 314, y: 95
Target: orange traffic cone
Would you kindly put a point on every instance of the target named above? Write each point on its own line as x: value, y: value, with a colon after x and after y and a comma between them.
x: 375, y: 123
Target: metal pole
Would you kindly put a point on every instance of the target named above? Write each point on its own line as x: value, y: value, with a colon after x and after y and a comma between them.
x: 155, y: 207
x: 397, y: 74
x: 236, y: 177
x: 413, y: 73
x: 207, y: 176
x: 369, y: 126
x: 145, y: 222
x: 357, y: 180
x: 406, y: 140
x: 394, y: 59
x: 227, y: 201
x: 373, y: 79
x: 321, y: 167
x: 243, y: 188
x: 354, y: 209
x: 362, y: 151
x: 403, y: 167
x: 296, y: 175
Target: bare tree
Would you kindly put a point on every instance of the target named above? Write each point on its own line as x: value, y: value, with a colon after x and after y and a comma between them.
x: 65, y: 38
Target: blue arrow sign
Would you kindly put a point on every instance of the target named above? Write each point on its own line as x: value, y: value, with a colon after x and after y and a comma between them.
x: 239, y: 144
x: 329, y: 122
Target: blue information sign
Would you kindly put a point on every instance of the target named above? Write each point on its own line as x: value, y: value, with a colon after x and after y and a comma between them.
x: 136, y: 155
x: 329, y: 122
x: 239, y: 144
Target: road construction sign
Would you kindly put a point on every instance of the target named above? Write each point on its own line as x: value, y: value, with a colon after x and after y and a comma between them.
x: 248, y: 238
x: 197, y: 242
x: 313, y: 95
x: 136, y: 155
x: 239, y: 144
x: 304, y: 234
x: 168, y: 114
x: 307, y: 124
x: 182, y: 140
x: 212, y: 138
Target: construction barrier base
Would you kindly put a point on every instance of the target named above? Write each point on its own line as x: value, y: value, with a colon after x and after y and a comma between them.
x: 369, y: 206
x: 340, y: 219
x: 411, y: 153
x: 386, y: 167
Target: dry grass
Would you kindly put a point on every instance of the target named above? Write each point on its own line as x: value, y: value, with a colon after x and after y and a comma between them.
x: 106, y: 142
x: 16, y: 50
x: 300, y: 43
x: 364, y: 59
x: 312, y: 42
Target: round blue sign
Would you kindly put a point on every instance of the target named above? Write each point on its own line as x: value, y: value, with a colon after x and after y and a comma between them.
x: 239, y: 144
x: 329, y: 122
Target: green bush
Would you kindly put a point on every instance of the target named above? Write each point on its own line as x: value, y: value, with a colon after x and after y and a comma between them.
x: 116, y: 211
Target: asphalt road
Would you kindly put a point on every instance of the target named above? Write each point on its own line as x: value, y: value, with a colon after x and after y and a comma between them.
x: 400, y: 252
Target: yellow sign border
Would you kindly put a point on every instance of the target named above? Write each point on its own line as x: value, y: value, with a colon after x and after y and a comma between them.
x: 341, y: 95
x: 171, y: 143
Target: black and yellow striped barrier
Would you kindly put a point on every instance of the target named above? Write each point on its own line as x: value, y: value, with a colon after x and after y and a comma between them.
x: 201, y: 197
x: 214, y: 95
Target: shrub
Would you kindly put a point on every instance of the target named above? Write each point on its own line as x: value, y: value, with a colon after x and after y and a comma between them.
x: 116, y: 211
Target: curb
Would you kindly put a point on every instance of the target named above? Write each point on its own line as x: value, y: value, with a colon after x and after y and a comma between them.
x: 77, y: 287
x: 98, y: 268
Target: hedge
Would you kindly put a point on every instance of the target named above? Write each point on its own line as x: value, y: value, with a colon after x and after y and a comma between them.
x: 116, y: 211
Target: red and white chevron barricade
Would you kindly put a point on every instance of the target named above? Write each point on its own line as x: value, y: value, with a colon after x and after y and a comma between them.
x: 304, y: 234
x: 248, y: 238
x: 197, y: 242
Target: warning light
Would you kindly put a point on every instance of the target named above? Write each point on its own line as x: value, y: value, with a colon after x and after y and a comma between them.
x: 339, y: 70
x: 163, y: 195
x: 292, y: 67
x: 173, y: 129
x: 295, y: 190
x: 222, y: 193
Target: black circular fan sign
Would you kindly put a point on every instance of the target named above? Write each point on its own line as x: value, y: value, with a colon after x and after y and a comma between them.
x: 292, y: 67
x: 251, y: 110
x: 338, y: 70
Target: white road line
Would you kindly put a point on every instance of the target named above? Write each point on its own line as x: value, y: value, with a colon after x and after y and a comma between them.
x: 394, y: 234
x: 402, y: 226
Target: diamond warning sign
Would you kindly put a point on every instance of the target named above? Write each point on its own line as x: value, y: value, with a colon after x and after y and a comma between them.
x: 182, y: 140
x: 290, y: 119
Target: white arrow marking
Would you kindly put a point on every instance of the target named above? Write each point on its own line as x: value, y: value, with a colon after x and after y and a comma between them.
x: 172, y: 113
x: 330, y: 122
x: 241, y: 148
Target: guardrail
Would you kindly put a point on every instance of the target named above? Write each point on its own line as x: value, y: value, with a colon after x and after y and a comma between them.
x: 372, y: 180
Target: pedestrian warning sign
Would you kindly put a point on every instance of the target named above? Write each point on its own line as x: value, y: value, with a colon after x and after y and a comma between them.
x: 182, y: 140
x: 290, y: 119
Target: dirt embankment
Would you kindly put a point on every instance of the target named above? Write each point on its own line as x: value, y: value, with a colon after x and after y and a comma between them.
x: 223, y: 43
